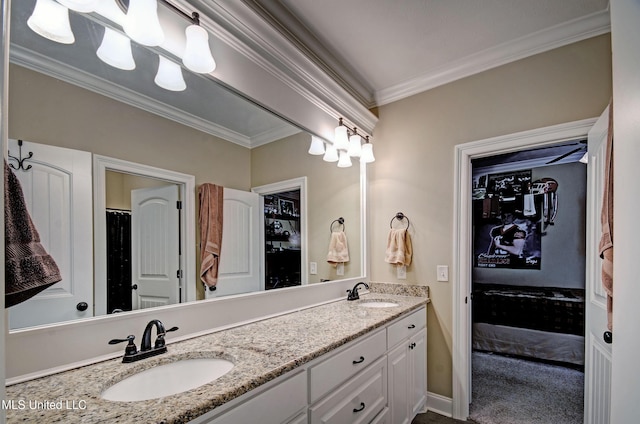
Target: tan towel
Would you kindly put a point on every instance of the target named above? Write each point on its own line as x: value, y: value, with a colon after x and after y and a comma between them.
x: 211, y: 206
x: 29, y: 269
x: 338, y: 248
x: 399, y: 249
x: 606, y: 218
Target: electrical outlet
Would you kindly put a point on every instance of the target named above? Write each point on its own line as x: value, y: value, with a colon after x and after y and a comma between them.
x: 442, y: 272
x: 340, y: 269
x: 313, y: 268
x: 401, y: 271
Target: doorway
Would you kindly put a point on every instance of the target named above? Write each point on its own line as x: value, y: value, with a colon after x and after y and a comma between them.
x: 284, y: 233
x: 528, y: 284
x: 463, y: 230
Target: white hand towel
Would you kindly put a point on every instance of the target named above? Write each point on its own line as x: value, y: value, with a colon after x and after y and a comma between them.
x: 529, y: 205
x: 338, y: 248
x: 399, y: 248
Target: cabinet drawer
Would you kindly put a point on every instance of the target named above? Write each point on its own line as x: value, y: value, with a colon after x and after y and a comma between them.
x: 290, y: 396
x: 406, y: 327
x: 357, y: 401
x: 341, y: 366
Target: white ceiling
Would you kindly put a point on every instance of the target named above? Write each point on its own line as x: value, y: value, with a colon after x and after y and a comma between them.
x: 396, y: 48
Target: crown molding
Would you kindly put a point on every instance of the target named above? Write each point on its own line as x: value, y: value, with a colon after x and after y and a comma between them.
x: 273, y: 134
x: 247, y: 32
x: 541, y: 41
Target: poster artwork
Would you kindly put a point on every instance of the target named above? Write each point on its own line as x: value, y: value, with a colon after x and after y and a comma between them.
x: 507, y: 222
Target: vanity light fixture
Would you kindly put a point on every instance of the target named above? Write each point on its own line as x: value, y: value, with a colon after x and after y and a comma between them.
x: 50, y: 19
x: 115, y: 50
x: 169, y: 75
x: 367, y: 152
x: 345, y: 159
x: 355, y: 144
x: 341, y: 137
x: 330, y: 154
x: 317, y: 146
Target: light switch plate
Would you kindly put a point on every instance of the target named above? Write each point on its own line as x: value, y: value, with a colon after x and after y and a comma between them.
x: 313, y: 268
x: 401, y: 272
x: 340, y: 269
x: 443, y: 273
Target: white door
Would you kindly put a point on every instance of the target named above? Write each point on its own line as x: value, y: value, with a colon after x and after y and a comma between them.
x: 239, y: 269
x: 57, y: 190
x: 597, y: 351
x: 155, y: 247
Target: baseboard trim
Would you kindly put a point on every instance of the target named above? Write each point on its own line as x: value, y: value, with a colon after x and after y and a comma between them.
x: 440, y: 404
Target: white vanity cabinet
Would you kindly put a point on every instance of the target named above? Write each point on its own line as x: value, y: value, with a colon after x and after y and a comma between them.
x: 407, y: 370
x: 379, y: 378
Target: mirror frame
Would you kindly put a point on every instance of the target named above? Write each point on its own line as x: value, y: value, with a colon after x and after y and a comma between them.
x: 102, y: 164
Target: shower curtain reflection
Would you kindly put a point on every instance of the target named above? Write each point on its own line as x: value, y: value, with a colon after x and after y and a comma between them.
x: 118, y: 261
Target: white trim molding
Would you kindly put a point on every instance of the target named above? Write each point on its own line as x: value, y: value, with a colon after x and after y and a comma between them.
x: 462, y: 243
x: 539, y: 42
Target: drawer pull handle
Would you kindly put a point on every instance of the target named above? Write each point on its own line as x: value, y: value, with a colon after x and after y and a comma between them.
x: 411, y: 326
x: 359, y: 361
x: 359, y: 409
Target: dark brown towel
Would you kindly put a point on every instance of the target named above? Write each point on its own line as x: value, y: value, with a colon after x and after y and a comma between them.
x: 29, y: 269
x: 211, y: 206
x: 606, y: 218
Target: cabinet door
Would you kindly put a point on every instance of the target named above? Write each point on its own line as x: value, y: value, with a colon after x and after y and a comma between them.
x: 398, y: 369
x: 418, y: 372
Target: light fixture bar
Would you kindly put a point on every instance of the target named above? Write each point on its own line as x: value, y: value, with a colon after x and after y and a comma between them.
x: 194, y: 18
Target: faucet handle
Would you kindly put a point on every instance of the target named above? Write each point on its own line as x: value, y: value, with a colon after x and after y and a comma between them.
x: 131, y: 348
x: 160, y: 339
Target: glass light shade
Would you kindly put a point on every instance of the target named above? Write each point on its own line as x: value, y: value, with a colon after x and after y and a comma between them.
x: 341, y: 140
x: 330, y: 154
x: 115, y: 50
x: 141, y: 23
x: 169, y: 75
x: 51, y: 20
x: 367, y: 153
x: 355, y: 145
x: 345, y: 159
x: 83, y: 6
x: 197, y: 53
x: 317, y: 146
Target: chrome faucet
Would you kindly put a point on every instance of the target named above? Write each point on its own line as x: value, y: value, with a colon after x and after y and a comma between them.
x: 132, y: 354
x: 353, y: 293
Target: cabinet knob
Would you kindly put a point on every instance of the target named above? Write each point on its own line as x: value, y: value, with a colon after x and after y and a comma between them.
x: 82, y: 306
x: 359, y: 409
x: 608, y: 337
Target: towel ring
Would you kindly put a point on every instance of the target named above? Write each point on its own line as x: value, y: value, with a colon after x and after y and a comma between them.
x: 340, y: 221
x: 399, y: 216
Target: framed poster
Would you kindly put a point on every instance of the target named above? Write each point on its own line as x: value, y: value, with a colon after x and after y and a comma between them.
x: 507, y: 230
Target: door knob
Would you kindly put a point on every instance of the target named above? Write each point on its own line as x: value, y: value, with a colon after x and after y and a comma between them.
x: 608, y: 337
x: 82, y: 306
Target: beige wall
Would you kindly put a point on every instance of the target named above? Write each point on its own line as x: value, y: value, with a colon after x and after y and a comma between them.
x: 332, y: 193
x: 48, y: 111
x: 414, y: 169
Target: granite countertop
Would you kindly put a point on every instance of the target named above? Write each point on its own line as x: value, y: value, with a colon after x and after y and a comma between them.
x: 261, y: 351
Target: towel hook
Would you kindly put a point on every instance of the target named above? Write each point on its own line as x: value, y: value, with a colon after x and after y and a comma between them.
x: 20, y: 160
x: 399, y: 216
x: 340, y: 221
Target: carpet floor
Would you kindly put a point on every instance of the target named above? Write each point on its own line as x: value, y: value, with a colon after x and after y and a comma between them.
x: 507, y: 390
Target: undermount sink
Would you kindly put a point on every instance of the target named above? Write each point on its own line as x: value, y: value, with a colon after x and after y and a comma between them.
x: 168, y: 379
x: 377, y: 304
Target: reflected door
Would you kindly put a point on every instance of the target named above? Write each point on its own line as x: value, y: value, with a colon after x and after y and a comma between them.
x: 155, y: 245
x: 57, y: 190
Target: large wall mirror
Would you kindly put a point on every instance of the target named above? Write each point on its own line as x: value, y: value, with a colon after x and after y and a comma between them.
x: 64, y: 101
